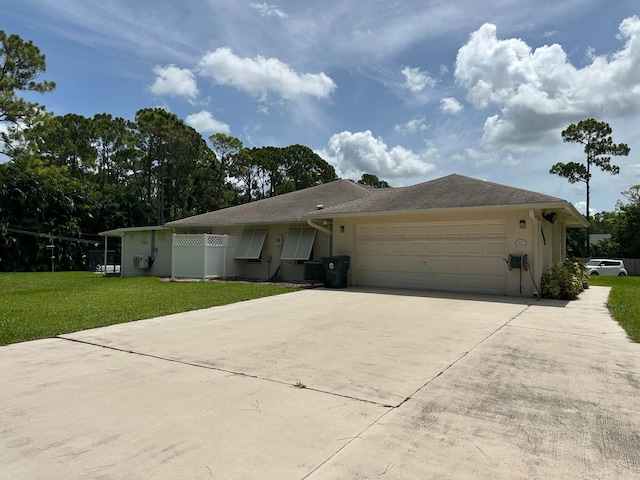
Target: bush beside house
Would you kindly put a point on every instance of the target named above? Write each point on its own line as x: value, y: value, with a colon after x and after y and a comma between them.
x: 565, y: 281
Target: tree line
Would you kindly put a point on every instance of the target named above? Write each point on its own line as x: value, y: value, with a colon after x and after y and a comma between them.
x: 64, y: 178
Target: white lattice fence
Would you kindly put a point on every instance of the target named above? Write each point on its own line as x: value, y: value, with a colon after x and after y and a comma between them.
x: 203, y: 256
x: 187, y: 241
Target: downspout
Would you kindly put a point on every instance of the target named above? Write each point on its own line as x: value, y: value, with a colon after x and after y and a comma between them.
x: 536, y: 249
x: 153, y: 248
x: 105, y: 258
x: 122, y: 255
x: 319, y: 227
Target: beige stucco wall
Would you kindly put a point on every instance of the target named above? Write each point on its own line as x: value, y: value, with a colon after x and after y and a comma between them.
x: 542, y: 250
x: 549, y: 251
x: 266, y: 267
x: 143, y: 243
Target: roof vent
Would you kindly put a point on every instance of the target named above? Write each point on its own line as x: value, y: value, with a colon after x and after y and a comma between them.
x: 319, y: 206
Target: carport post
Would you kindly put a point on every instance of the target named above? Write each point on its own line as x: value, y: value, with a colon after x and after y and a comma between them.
x: 106, y: 239
x: 204, y: 256
x: 225, y: 243
x: 173, y: 256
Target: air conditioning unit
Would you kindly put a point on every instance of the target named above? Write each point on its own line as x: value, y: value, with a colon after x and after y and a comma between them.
x: 141, y: 261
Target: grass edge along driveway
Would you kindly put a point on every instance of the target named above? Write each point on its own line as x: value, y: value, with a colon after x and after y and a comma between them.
x: 43, y: 305
x: 46, y: 304
x: 623, y: 302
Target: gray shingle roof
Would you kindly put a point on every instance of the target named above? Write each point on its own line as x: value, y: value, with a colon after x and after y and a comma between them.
x: 344, y: 197
x: 452, y: 191
x: 289, y: 207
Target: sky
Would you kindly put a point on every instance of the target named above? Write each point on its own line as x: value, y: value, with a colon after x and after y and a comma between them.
x: 405, y: 90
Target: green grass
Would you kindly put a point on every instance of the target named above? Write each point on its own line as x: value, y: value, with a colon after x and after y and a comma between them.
x: 623, y: 302
x: 42, y: 305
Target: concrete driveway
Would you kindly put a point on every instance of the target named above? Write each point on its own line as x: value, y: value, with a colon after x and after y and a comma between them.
x: 331, y: 384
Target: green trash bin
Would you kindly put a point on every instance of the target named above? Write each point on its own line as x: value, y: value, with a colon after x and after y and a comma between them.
x: 336, y: 269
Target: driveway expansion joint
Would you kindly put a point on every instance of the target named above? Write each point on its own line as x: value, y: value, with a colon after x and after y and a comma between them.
x: 463, y: 355
x: 218, y: 369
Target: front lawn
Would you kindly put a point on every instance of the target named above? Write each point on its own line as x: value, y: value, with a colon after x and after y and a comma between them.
x: 624, y: 302
x: 41, y: 305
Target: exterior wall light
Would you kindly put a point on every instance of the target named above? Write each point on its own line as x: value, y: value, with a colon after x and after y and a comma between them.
x: 341, y: 228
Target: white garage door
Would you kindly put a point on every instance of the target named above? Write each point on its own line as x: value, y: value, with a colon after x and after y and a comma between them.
x: 452, y: 256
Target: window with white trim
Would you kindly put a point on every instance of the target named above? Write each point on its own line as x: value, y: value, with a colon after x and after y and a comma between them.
x: 251, y: 242
x: 298, y: 244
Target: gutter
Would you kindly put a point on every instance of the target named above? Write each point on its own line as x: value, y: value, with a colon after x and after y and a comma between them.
x: 568, y: 209
x: 319, y: 227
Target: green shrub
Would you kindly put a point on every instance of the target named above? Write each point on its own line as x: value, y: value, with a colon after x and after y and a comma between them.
x: 565, y: 281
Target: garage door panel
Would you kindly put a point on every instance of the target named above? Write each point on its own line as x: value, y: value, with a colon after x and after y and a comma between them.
x: 417, y: 248
x: 454, y: 247
x: 496, y: 228
x: 455, y: 256
x: 475, y: 229
x: 415, y: 230
x: 474, y: 248
x: 366, y: 247
x: 434, y: 248
x: 434, y: 229
x: 382, y: 248
x: 498, y: 247
x: 454, y: 229
x: 398, y: 248
x: 366, y: 231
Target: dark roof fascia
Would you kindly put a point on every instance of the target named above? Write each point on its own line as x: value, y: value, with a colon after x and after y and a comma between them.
x: 238, y: 224
x: 572, y: 212
x: 117, y: 231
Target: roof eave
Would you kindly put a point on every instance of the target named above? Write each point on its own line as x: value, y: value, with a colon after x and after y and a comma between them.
x: 118, y: 231
x: 236, y: 224
x: 572, y: 213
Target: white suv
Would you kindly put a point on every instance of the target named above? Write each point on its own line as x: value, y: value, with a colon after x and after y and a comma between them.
x: 604, y: 266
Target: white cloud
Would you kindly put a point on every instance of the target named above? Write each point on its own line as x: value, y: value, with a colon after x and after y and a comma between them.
x: 175, y: 82
x: 582, y: 208
x: 268, y: 10
x: 634, y: 170
x: 203, y: 121
x: 539, y: 91
x: 353, y: 154
x: 260, y: 75
x: 415, y: 80
x: 412, y: 126
x: 450, y: 105
x: 482, y: 158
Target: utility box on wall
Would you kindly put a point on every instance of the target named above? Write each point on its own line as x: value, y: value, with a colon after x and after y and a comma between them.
x: 141, y: 261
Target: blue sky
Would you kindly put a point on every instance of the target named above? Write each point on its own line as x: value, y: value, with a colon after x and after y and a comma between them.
x: 406, y: 90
